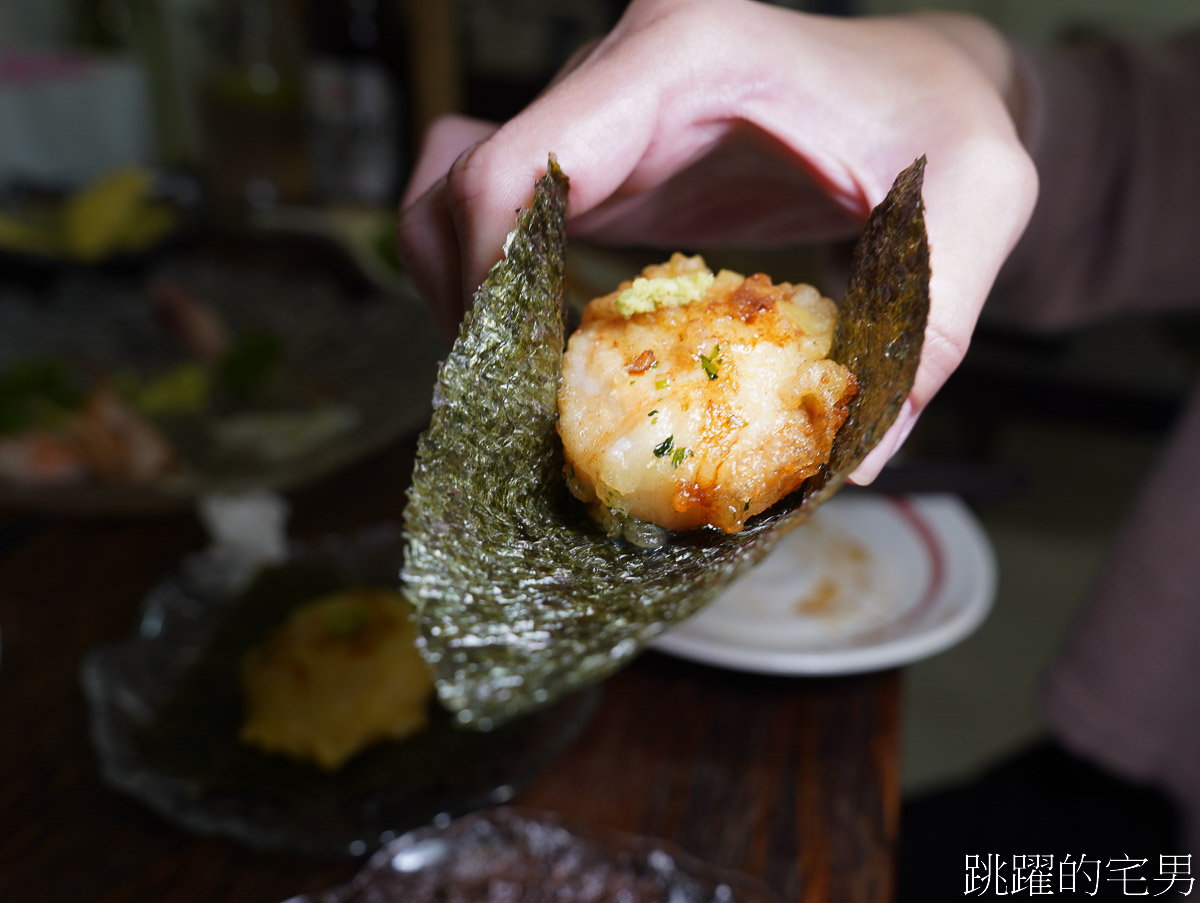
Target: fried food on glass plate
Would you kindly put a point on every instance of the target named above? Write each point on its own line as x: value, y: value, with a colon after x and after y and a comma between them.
x: 694, y: 399
x: 341, y: 673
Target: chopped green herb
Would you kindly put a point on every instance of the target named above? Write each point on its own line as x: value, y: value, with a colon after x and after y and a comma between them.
x: 677, y: 458
x: 662, y: 383
x: 663, y: 447
x: 711, y: 362
x: 652, y: 413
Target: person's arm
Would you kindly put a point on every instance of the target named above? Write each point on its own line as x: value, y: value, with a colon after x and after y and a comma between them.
x: 1114, y: 129
x: 715, y: 122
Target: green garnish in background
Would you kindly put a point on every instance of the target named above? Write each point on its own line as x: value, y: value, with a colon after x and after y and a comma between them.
x: 348, y: 619
x: 245, y: 368
x: 34, y: 393
x: 182, y: 390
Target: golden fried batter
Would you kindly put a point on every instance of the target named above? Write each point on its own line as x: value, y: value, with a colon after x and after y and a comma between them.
x: 692, y: 399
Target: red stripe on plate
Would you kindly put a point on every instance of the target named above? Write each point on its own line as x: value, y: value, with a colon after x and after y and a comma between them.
x: 937, y: 559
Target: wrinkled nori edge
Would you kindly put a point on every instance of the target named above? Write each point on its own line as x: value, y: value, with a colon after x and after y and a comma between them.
x: 881, y: 326
x: 521, y: 598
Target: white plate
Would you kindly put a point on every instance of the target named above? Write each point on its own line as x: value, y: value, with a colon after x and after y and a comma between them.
x: 869, y: 582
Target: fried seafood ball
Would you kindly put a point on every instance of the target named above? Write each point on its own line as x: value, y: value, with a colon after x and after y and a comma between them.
x: 690, y: 399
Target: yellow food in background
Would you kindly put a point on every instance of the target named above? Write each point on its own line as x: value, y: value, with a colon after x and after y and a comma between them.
x: 341, y: 673
x: 184, y: 389
x: 96, y: 218
x: 26, y: 238
x: 113, y: 214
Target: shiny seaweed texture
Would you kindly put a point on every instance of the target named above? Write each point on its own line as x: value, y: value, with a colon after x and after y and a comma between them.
x: 521, y: 598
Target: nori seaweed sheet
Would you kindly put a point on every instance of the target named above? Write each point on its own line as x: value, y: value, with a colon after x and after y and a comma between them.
x: 521, y: 597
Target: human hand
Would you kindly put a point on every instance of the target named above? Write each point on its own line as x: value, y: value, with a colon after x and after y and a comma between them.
x: 722, y: 122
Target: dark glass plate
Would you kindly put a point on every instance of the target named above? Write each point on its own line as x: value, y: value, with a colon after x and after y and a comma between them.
x: 507, y: 854
x: 357, y: 368
x: 166, y: 705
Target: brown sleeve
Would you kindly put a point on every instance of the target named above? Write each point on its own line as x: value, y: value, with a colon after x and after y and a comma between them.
x: 1114, y: 129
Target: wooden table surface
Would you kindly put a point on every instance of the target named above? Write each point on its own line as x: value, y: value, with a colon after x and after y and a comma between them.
x: 794, y: 781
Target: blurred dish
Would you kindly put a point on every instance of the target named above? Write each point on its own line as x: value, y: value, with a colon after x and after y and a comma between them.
x: 511, y: 854
x: 869, y: 582
x: 166, y: 706
x: 299, y: 376
x: 338, y: 676
x: 367, y: 236
x: 122, y: 214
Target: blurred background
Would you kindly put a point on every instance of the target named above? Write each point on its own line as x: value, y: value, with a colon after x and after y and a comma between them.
x: 274, y: 101
x: 277, y: 112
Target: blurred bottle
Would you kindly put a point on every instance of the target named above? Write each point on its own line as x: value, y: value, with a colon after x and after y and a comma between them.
x: 255, y: 125
x: 355, y: 95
